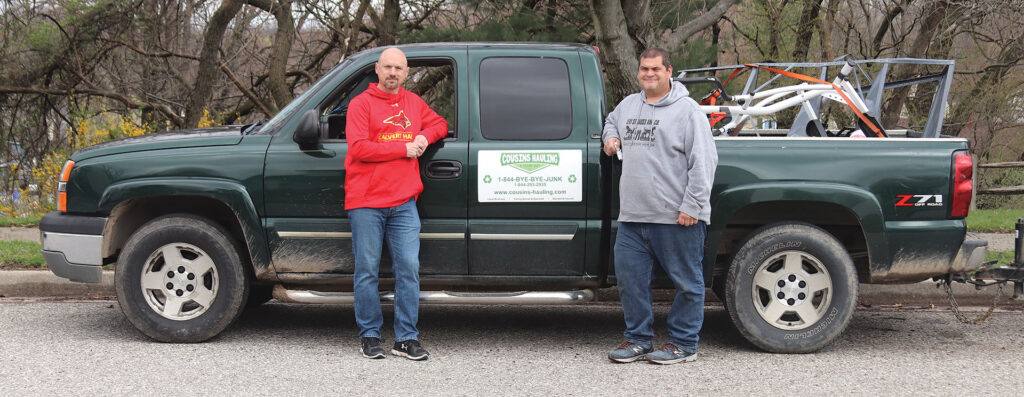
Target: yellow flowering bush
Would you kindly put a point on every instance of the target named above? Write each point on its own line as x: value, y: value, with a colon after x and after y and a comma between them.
x: 39, y: 196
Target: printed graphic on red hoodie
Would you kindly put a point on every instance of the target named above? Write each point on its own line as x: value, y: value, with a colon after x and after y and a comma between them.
x: 379, y: 124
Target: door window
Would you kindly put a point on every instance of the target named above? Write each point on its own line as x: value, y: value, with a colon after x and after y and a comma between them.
x: 525, y: 99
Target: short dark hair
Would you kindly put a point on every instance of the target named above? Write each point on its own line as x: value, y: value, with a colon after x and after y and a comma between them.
x: 655, y: 52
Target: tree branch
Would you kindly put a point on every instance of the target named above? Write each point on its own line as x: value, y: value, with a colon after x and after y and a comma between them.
x: 683, y: 33
x: 163, y: 109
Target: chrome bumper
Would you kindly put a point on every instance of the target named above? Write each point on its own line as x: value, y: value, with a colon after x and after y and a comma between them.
x: 72, y: 246
x: 970, y: 257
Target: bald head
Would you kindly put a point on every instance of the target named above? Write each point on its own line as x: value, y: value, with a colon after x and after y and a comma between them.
x: 392, y: 69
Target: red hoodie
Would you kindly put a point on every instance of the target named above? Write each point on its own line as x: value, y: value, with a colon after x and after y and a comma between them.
x: 379, y: 124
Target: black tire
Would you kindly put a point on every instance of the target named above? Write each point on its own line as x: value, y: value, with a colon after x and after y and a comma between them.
x: 791, y: 288
x: 205, y: 277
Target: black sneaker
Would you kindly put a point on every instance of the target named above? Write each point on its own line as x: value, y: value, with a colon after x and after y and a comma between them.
x: 410, y: 349
x: 628, y: 352
x: 372, y: 348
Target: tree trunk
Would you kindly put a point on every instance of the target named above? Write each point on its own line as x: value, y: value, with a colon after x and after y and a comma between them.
x: 805, y: 29
x: 895, y: 11
x: 931, y: 24
x: 618, y: 50
x: 638, y: 22
x: 825, y: 30
x: 389, y: 23
x: 209, y: 58
x: 620, y: 38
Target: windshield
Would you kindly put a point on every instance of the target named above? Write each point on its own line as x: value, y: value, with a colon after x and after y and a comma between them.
x: 275, y: 122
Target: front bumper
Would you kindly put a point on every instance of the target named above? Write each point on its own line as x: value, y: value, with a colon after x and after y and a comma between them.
x: 72, y: 246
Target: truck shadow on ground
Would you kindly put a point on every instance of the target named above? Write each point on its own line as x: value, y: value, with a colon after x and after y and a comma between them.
x: 469, y: 325
x: 595, y: 327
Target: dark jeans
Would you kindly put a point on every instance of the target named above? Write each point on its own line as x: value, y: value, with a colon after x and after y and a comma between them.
x: 679, y: 249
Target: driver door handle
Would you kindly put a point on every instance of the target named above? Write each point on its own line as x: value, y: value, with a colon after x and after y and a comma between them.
x: 444, y: 169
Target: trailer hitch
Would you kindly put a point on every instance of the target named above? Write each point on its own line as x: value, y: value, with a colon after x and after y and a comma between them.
x: 990, y: 275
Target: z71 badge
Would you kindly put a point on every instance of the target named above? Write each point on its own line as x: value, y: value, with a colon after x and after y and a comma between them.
x: 919, y: 200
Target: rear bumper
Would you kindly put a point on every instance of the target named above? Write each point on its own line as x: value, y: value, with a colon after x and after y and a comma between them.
x: 970, y: 257
x: 72, y: 246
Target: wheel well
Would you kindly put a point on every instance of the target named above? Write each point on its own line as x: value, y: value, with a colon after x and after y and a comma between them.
x: 129, y: 215
x: 837, y: 220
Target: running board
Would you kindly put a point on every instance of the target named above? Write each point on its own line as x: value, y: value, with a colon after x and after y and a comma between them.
x: 446, y: 297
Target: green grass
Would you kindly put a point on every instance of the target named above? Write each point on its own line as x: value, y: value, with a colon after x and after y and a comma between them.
x: 20, y: 221
x: 993, y: 221
x: 21, y: 255
x: 1004, y: 257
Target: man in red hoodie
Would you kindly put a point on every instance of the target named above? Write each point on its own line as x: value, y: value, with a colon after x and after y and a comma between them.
x: 387, y: 129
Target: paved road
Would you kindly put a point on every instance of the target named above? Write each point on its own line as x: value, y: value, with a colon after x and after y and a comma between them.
x: 88, y: 348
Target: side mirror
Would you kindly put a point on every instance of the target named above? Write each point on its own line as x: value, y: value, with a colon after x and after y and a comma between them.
x: 308, y: 132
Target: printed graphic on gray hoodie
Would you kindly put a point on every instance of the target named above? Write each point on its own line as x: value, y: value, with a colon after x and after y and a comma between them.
x: 668, y: 157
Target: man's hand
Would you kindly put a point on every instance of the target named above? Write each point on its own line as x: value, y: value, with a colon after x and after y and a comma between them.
x: 610, y: 146
x: 686, y: 220
x: 413, y: 150
x: 416, y: 147
x: 422, y: 141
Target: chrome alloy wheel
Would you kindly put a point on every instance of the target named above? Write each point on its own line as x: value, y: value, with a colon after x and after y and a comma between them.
x: 792, y: 290
x: 179, y: 281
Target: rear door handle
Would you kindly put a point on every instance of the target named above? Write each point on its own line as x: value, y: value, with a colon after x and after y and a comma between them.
x: 444, y: 169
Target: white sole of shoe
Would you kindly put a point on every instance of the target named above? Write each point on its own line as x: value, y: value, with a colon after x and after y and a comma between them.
x: 629, y: 360
x: 406, y: 355
x: 375, y: 356
x: 677, y: 361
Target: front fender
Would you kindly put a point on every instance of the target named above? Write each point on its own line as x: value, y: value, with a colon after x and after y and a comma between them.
x: 859, y: 202
x: 232, y: 194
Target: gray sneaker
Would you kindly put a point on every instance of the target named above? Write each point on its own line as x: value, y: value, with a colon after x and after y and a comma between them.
x: 628, y: 352
x: 670, y: 354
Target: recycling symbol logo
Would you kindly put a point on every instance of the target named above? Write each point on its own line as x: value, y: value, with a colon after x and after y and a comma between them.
x: 487, y: 179
x: 572, y: 178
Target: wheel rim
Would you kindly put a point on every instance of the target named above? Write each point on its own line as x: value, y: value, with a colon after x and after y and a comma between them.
x: 792, y: 290
x: 179, y: 281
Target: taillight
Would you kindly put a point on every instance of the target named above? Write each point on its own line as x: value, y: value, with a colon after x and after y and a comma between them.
x: 963, y: 184
x: 62, y: 186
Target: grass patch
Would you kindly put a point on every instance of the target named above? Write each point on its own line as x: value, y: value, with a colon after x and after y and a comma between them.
x: 993, y: 221
x: 25, y: 221
x: 21, y: 255
x: 1004, y: 257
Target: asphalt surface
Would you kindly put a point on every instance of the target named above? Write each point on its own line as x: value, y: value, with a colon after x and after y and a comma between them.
x: 88, y: 348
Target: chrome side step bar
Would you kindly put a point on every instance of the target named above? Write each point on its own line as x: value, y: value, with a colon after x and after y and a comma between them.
x: 446, y: 297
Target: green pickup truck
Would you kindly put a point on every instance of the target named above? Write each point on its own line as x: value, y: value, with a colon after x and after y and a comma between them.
x: 519, y: 206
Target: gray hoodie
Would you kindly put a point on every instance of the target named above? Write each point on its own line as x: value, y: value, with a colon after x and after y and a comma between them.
x: 668, y: 157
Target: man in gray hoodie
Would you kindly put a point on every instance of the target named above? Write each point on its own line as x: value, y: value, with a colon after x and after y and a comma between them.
x: 668, y: 166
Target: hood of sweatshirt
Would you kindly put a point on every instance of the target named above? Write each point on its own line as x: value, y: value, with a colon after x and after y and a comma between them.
x: 676, y: 92
x: 387, y: 97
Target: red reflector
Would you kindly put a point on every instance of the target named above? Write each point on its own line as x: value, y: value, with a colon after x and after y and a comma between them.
x: 963, y: 184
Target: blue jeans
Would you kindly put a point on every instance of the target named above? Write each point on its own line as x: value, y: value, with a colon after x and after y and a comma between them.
x: 679, y: 249
x: 400, y: 227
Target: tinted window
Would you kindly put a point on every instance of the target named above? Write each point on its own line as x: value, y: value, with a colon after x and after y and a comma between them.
x: 525, y: 99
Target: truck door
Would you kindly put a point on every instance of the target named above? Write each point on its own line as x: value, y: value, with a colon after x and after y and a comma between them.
x: 528, y: 146
x: 305, y: 220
